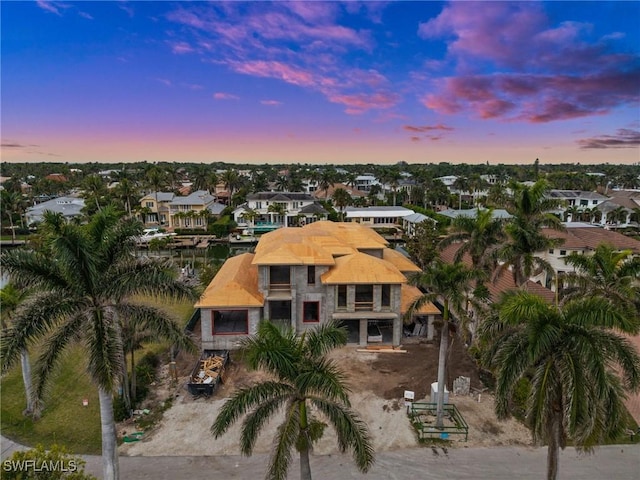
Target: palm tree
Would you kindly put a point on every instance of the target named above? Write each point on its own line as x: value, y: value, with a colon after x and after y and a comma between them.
x: 453, y: 285
x: 525, y: 237
x: 94, y: 188
x: 11, y: 204
x: 126, y: 191
x: 231, y: 180
x: 608, y: 273
x: 282, y: 183
x: 83, y: 282
x: 463, y: 185
x: 481, y: 236
x: 577, y: 365
x: 10, y: 299
x: 341, y: 199
x: 303, y: 376
x: 155, y: 179
x: 277, y: 209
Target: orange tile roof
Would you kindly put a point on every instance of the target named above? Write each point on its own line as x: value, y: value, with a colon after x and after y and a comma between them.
x: 294, y: 254
x: 235, y: 285
x: 408, y: 295
x: 501, y: 284
x: 363, y: 269
x: 591, y: 237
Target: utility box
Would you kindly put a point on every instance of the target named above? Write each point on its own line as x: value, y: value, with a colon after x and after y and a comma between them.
x: 434, y: 393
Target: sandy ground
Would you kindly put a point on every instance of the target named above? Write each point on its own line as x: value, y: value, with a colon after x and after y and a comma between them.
x: 377, y: 380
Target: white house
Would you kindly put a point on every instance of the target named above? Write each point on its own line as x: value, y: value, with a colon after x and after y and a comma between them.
x: 377, y: 216
x: 267, y: 211
x: 69, y: 207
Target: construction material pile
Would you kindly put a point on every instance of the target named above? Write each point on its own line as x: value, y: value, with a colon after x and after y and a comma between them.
x: 211, y: 369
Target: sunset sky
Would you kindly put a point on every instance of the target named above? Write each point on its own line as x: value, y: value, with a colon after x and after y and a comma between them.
x: 317, y: 82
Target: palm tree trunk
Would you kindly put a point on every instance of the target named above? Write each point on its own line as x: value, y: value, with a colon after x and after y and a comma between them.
x: 553, y: 449
x: 26, y: 378
x: 133, y: 376
x: 110, y: 469
x: 13, y: 230
x: 442, y: 358
x: 305, y: 467
x: 126, y: 393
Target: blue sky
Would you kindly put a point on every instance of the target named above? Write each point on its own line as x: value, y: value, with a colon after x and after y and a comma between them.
x: 321, y: 82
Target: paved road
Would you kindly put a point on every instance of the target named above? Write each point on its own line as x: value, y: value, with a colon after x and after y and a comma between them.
x: 620, y: 462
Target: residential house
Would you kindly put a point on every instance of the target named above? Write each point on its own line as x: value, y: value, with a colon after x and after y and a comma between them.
x: 498, y: 213
x: 377, y: 217
x: 365, y: 182
x: 155, y: 208
x: 267, y: 211
x: 69, y: 207
x: 620, y: 206
x: 581, y: 238
x: 300, y: 277
x: 410, y: 222
x: 576, y: 204
x: 193, y: 210
x: 174, y: 211
x: 322, y: 194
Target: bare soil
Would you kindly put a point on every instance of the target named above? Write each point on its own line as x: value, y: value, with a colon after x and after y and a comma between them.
x: 377, y: 381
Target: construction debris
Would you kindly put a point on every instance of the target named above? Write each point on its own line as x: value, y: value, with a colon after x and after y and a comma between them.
x: 210, y: 369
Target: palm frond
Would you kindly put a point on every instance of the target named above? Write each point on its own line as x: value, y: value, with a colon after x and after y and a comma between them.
x: 284, y: 442
x: 52, y: 350
x: 150, y: 319
x: 325, y: 338
x: 254, y: 422
x: 104, y: 346
x: 245, y: 399
x: 351, y: 431
x: 323, y: 377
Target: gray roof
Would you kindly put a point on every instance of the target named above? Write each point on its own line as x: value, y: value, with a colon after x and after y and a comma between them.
x: 199, y: 197
x: 313, y: 208
x: 216, y: 208
x: 417, y: 218
x: 280, y: 196
x: 162, y: 196
x: 472, y: 212
x: 567, y: 194
x: 67, y: 206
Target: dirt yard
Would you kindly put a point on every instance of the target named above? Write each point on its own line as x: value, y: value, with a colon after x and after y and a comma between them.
x: 378, y: 382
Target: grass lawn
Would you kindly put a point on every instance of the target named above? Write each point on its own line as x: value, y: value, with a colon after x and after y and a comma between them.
x: 65, y: 420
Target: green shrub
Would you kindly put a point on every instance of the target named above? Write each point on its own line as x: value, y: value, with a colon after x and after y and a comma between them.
x: 40, y: 464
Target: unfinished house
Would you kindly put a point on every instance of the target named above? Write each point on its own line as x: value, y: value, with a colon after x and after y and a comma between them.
x: 302, y: 276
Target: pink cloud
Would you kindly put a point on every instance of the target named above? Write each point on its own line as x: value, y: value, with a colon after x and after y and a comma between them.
x: 165, y: 82
x: 426, y: 128
x: 624, y: 138
x: 53, y: 7
x: 361, y: 102
x: 180, y: 48
x: 270, y: 103
x: 270, y: 69
x: 534, y: 98
x: 225, y: 96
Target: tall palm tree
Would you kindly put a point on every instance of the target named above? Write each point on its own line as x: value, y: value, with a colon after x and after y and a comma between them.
x: 609, y: 273
x: 462, y: 185
x: 481, y: 236
x: 577, y: 365
x: 11, y: 203
x: 303, y: 377
x: 453, y: 285
x: 83, y: 282
x: 341, y: 199
x: 126, y: 191
x: 530, y: 210
x: 231, y: 181
x: 11, y: 297
x: 94, y: 188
